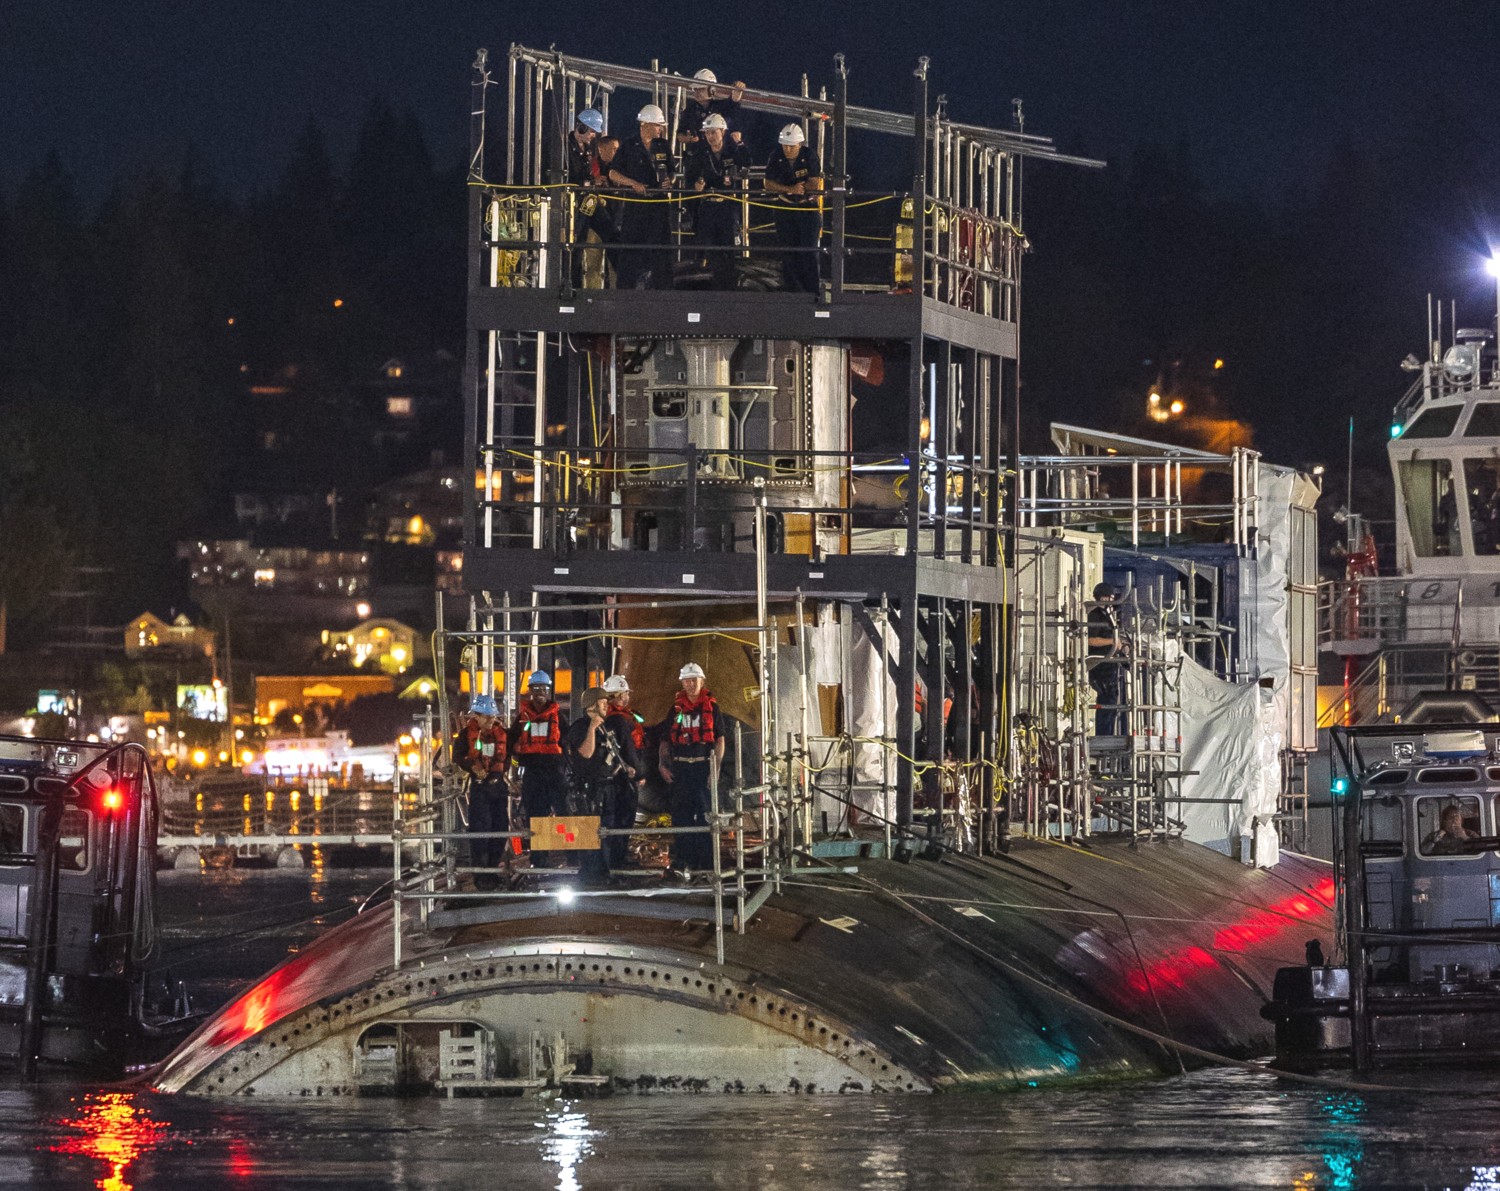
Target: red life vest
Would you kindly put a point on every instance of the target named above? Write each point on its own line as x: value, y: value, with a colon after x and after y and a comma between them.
x: 484, y: 748
x: 693, y: 719
x: 637, y: 732
x: 538, y: 733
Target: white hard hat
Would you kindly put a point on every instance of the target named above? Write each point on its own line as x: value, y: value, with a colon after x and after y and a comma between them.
x: 792, y: 134
x: 651, y: 114
x: 538, y: 678
x: 716, y: 121
x: 706, y: 76
x: 615, y: 684
x: 691, y: 670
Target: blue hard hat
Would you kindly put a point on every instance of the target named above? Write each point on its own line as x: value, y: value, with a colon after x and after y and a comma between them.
x: 484, y: 705
x: 592, y: 119
x: 538, y: 678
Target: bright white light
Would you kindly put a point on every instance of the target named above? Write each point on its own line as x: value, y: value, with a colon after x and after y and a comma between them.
x: 1492, y: 266
x: 565, y: 896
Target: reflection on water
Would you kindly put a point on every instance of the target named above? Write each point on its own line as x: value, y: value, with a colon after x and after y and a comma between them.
x: 1211, y: 1129
x: 112, y: 1127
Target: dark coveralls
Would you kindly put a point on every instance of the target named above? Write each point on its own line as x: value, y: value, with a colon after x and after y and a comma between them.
x: 1107, y: 677
x: 620, y: 795
x: 690, y: 123
x: 799, y: 222
x: 536, y: 743
x: 715, y: 218
x: 591, y: 212
x: 646, y: 223
x: 482, y: 751
x: 691, y: 738
x: 594, y: 777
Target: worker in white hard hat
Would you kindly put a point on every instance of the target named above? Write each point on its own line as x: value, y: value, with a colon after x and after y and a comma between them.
x: 536, y: 744
x: 795, y: 176
x: 644, y: 168
x: 706, y: 98
x: 713, y: 169
x: 689, y: 758
x: 629, y: 728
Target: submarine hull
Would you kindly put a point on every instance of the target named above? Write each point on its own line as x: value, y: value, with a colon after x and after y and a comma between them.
x: 1049, y: 964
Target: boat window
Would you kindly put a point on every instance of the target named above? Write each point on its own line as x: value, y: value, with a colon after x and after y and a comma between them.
x: 73, y: 841
x: 12, y: 833
x: 1482, y: 484
x: 1388, y: 777
x: 1447, y: 775
x: 1435, y: 423
x: 1382, y: 820
x: 1484, y: 422
x: 1448, y: 826
x: 1431, y: 508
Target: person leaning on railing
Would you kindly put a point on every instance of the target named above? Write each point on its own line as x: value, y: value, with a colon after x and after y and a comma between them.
x: 795, y: 176
x: 644, y: 167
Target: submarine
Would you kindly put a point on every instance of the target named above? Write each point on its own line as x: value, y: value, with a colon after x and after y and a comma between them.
x: 1015, y: 778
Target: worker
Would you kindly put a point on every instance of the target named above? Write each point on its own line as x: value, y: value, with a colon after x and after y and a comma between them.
x: 591, y: 212
x: 623, y: 796
x: 689, y: 759
x: 712, y: 169
x: 536, y: 744
x: 644, y: 167
x: 1106, y: 671
x: 480, y: 753
x: 795, y: 177
x: 597, y: 758
x: 705, y: 99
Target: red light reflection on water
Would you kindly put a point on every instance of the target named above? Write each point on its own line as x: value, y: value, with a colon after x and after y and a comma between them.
x: 1177, y: 969
x: 115, y: 1128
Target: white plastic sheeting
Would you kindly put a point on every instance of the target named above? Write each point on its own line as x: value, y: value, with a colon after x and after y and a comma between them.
x: 869, y: 706
x: 1231, y: 751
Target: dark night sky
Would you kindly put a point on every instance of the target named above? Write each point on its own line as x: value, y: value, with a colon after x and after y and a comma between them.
x: 1261, y: 91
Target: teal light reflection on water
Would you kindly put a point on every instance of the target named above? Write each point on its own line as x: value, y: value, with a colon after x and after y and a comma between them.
x: 1342, y: 1143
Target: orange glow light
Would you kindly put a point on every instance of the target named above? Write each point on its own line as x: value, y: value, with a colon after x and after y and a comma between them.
x: 113, y: 1128
x: 113, y: 800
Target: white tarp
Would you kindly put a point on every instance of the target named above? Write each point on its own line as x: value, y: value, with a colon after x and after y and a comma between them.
x: 1231, y: 748
x: 871, y: 698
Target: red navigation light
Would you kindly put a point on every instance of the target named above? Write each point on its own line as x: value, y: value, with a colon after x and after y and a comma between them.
x: 112, y: 799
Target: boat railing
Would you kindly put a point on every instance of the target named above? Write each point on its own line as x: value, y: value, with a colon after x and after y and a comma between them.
x: 1434, y: 382
x: 1368, y: 613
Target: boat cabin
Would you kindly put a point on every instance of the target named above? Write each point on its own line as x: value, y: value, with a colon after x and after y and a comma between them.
x: 77, y: 889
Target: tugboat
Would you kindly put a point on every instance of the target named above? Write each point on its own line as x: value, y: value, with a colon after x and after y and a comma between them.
x: 1413, y: 765
x: 931, y: 861
x: 1417, y: 869
x: 77, y: 904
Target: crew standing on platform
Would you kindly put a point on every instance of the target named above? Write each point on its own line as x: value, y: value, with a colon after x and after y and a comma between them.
x: 712, y: 169
x: 622, y: 797
x: 598, y: 762
x: 587, y: 173
x: 644, y: 167
x: 479, y: 750
x: 690, y: 758
x: 1106, y: 671
x: 536, y: 744
x: 704, y: 101
x: 795, y: 177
